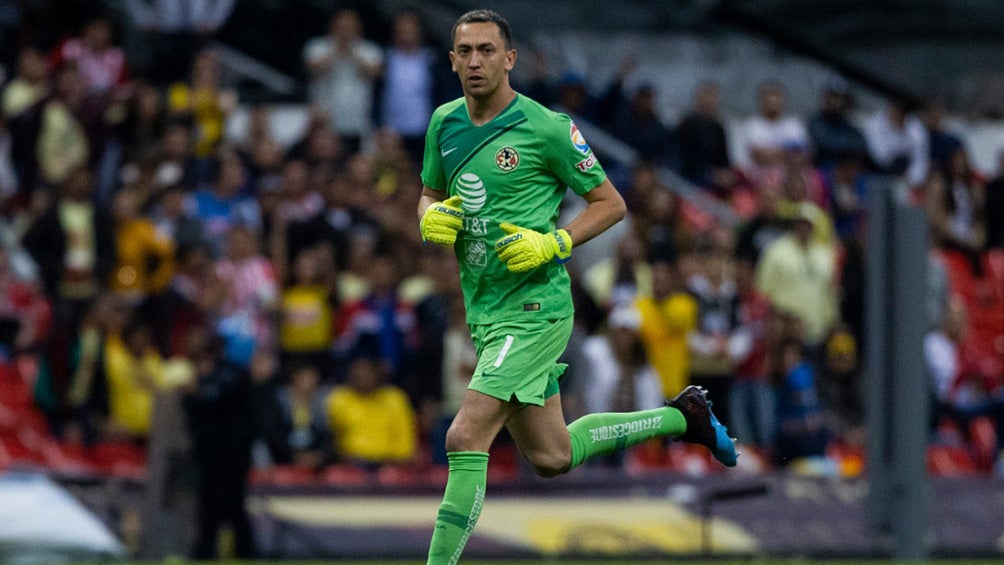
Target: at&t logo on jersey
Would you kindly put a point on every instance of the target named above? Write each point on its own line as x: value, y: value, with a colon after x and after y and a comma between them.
x: 507, y: 159
x: 472, y: 191
x: 577, y: 140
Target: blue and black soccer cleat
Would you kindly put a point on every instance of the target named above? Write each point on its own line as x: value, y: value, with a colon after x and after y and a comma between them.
x: 703, y: 427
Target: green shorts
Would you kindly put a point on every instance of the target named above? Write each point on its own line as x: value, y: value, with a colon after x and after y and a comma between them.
x: 518, y: 360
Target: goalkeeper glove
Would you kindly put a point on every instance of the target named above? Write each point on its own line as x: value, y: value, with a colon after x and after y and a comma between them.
x: 524, y: 250
x: 441, y: 221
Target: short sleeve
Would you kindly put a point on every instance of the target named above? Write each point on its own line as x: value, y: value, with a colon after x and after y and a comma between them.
x: 569, y: 156
x: 433, y: 175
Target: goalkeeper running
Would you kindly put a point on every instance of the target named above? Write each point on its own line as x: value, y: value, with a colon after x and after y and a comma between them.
x: 496, y: 167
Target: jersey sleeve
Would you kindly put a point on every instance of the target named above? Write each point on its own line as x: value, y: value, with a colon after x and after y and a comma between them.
x: 433, y: 175
x: 570, y: 157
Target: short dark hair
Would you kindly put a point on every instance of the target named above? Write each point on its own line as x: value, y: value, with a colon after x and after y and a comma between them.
x: 485, y: 16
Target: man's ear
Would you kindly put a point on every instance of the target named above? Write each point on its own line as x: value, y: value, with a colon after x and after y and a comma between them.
x: 453, y: 62
x: 510, y: 59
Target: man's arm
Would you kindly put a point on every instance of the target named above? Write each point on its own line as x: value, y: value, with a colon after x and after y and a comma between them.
x: 604, y: 208
x: 428, y: 198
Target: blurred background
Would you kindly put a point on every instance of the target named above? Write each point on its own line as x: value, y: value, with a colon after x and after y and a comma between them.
x: 221, y: 335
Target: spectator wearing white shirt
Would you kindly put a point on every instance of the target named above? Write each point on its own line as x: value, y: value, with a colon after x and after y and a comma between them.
x: 343, y: 67
x: 409, y: 82
x: 898, y: 143
x: 771, y: 133
x: 620, y: 377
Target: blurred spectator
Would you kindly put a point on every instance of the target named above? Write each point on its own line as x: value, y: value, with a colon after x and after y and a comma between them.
x: 25, y: 311
x: 659, y: 222
x: 704, y: 158
x: 834, y: 136
x: 307, y: 316
x: 299, y: 202
x: 619, y: 280
x: 840, y: 386
x: 343, y: 67
x: 942, y: 143
x: 251, y: 296
x: 373, y: 423
x: 133, y: 371
x: 638, y: 124
x: 218, y: 406
x: 411, y: 87
x: 87, y: 397
x: 143, y: 124
x: 102, y: 64
x: 23, y: 103
x: 620, y: 379
x: 174, y: 221
x: 432, y: 321
x: 967, y: 384
x: 189, y: 298
x: 144, y: 258
x: 204, y: 101
x: 667, y: 318
x: 801, y: 429
x: 955, y: 198
x: 29, y: 85
x: 176, y: 29
x: 459, y: 359
x: 62, y: 141
x: 222, y: 206
x: 796, y: 274
x: 302, y: 425
x: 771, y: 133
x: 898, y: 143
x: 8, y: 172
x: 847, y: 192
x: 752, y: 411
x: 380, y: 324
x: 767, y: 226
x: 714, y: 288
x: 994, y: 209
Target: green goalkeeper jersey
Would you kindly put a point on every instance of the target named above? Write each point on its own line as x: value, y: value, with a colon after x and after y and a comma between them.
x: 515, y: 168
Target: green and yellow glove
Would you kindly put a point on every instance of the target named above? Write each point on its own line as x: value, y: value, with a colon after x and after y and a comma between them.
x: 441, y: 221
x: 524, y: 250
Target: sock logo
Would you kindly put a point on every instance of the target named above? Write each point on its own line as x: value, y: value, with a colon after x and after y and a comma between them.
x: 472, y: 519
x: 624, y: 429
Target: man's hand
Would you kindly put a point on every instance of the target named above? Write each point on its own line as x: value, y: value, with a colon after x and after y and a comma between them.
x: 524, y: 250
x: 441, y: 221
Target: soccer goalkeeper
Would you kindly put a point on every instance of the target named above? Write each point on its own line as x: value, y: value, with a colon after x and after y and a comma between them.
x: 496, y: 167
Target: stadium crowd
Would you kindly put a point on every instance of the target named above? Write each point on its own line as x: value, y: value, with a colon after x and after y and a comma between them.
x: 283, y: 292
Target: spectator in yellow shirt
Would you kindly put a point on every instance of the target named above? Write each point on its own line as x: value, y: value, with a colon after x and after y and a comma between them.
x: 144, y: 259
x: 133, y: 370
x: 205, y: 101
x: 372, y: 422
x: 668, y: 317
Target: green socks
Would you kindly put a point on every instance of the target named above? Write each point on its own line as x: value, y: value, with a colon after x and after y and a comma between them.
x: 592, y: 435
x: 462, y: 501
x: 603, y: 434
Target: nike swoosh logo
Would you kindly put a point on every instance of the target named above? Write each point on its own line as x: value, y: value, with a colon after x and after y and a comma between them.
x: 446, y: 152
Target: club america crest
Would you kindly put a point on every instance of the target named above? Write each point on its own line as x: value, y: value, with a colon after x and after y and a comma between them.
x: 507, y: 159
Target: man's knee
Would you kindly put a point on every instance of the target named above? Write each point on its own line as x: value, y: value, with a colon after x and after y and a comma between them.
x: 549, y: 465
x: 461, y: 437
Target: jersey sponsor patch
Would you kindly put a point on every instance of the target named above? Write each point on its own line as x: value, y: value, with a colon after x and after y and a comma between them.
x: 587, y: 163
x: 472, y: 191
x: 577, y: 140
x: 507, y: 159
x: 476, y: 253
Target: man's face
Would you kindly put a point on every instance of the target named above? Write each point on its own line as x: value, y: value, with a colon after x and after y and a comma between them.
x: 480, y: 58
